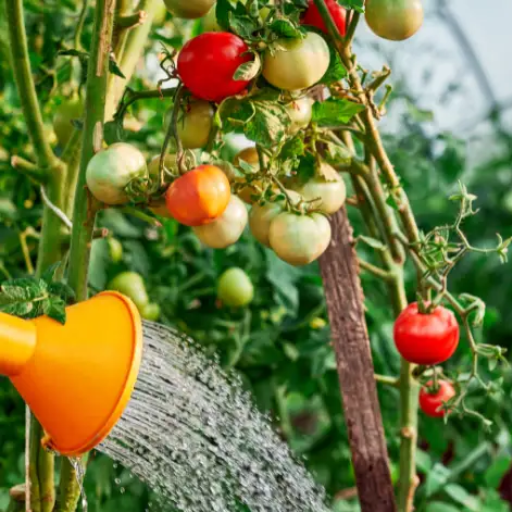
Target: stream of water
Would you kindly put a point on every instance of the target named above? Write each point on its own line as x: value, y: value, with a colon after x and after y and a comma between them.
x: 195, y: 438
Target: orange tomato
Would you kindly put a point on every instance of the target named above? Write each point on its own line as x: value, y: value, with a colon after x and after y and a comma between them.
x: 199, y: 196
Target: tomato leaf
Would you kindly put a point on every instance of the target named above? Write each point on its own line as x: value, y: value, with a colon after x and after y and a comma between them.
x: 222, y: 10
x: 244, y: 26
x: 337, y: 154
x: 335, y: 112
x: 336, y: 70
x: 248, y: 70
x: 307, y: 168
x: 283, y: 27
x: 292, y: 148
x: 268, y: 124
x: 357, y: 5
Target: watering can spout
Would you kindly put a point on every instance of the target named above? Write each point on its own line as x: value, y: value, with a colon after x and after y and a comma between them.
x: 76, y: 378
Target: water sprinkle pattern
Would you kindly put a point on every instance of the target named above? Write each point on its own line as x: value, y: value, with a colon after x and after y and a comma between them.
x: 195, y: 438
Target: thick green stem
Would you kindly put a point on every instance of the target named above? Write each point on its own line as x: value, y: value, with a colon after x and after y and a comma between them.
x: 86, y: 207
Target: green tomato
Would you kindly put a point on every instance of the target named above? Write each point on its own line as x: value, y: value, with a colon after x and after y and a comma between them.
x: 110, y: 171
x: 395, y: 20
x: 326, y: 191
x: 235, y: 288
x: 68, y: 110
x: 195, y: 124
x: 226, y: 229
x: 115, y: 249
x: 154, y: 169
x: 189, y: 9
x: 296, y: 63
x: 150, y: 311
x: 299, y: 239
x: 160, y: 14
x: 300, y: 112
x: 261, y: 217
x: 132, y: 285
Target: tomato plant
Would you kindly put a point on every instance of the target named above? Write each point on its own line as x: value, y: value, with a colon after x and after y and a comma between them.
x: 234, y: 288
x: 199, y: 196
x: 426, y: 338
x: 110, y: 171
x: 207, y: 65
x: 296, y: 63
x: 394, y: 19
x: 432, y: 400
x: 226, y: 229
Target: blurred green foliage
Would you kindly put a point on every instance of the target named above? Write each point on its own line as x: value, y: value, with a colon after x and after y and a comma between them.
x: 280, y: 343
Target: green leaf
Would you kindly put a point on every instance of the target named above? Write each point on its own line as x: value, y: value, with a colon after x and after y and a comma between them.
x: 307, y: 168
x: 357, y: 5
x: 222, y: 10
x: 283, y: 27
x: 248, y: 70
x: 439, y: 506
x: 336, y: 70
x: 55, y: 308
x: 436, y: 479
x: 22, y: 290
x: 496, y: 471
x: 49, y: 274
x: 335, y: 112
x: 372, y: 242
x: 62, y: 290
x: 337, y: 154
x: 460, y: 495
x: 292, y: 148
x: 244, y: 26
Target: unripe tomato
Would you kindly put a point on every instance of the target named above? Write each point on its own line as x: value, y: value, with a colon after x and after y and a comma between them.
x: 431, y: 401
x: 199, y: 196
x: 426, y: 338
x: 68, y: 110
x: 226, y: 229
x: 150, y: 311
x: 327, y: 190
x: 189, y: 9
x: 299, y: 239
x: 110, y: 171
x: 300, y: 112
x: 235, y: 288
x: 160, y: 14
x: 261, y: 216
x: 300, y: 63
x: 132, y: 285
x: 154, y: 168
x: 338, y: 13
x: 247, y: 193
x: 195, y: 124
x: 115, y: 249
x: 207, y: 64
x: 395, y: 20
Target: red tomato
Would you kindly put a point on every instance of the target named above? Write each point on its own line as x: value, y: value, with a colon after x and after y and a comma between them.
x: 431, y: 402
x: 207, y: 63
x: 426, y: 338
x: 199, y: 196
x: 338, y: 13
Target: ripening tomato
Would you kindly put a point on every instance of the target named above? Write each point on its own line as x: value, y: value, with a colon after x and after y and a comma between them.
x: 299, y: 239
x: 199, y: 196
x: 195, y: 124
x: 207, y: 64
x: 300, y: 112
x: 296, y: 63
x: 111, y: 170
x: 326, y: 191
x: 338, y: 13
x: 226, y: 229
x: 395, y: 20
x: 132, y: 285
x: 235, y: 288
x: 431, y: 401
x: 262, y: 215
x: 67, y: 111
x: 189, y: 9
x: 248, y: 192
x: 426, y: 338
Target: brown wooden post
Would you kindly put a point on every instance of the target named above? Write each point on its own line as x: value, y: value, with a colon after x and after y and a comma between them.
x: 344, y: 296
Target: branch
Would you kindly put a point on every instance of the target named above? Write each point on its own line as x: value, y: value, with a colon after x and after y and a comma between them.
x: 29, y: 169
x: 25, y: 84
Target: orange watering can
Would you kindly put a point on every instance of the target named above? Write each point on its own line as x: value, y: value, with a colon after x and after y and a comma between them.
x: 76, y: 378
